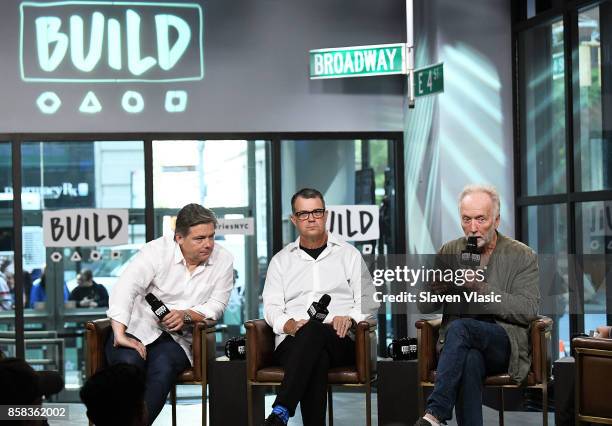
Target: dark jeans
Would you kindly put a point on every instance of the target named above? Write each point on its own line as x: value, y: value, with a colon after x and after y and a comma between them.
x: 165, y: 360
x: 472, y: 350
x: 306, y: 358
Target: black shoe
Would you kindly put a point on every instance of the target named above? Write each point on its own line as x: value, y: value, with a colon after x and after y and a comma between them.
x: 422, y: 422
x: 274, y: 420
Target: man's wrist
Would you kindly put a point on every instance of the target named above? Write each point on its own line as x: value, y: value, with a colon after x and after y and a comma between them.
x: 289, y: 326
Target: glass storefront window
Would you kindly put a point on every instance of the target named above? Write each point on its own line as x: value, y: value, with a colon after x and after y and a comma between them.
x: 545, y: 231
x: 542, y: 110
x: 594, y: 139
x: 7, y: 276
x: 212, y: 173
x: 594, y: 237
x: 71, y: 284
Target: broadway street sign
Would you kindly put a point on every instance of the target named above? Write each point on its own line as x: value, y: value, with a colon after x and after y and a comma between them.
x: 358, y: 61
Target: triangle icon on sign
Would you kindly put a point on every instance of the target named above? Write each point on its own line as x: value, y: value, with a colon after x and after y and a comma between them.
x: 76, y: 257
x: 90, y: 104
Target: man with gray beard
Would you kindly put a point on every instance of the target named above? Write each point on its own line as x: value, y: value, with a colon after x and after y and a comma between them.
x: 481, y: 339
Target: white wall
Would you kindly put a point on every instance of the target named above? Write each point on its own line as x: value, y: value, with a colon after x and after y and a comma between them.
x: 463, y: 135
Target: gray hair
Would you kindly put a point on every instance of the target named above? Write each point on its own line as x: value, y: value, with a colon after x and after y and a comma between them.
x: 192, y: 215
x: 490, y: 190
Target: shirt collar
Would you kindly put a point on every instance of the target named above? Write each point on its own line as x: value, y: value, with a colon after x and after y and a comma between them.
x: 332, y: 240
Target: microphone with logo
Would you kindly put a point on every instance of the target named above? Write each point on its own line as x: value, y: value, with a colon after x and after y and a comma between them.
x: 470, y: 257
x: 158, y: 308
x: 318, y: 310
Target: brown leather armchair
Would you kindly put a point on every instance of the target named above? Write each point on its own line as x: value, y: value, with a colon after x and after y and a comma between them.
x: 97, y: 333
x: 261, y: 371
x: 593, y: 380
x: 427, y: 335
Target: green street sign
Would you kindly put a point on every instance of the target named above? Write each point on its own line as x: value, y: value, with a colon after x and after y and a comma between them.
x: 429, y: 80
x: 358, y: 61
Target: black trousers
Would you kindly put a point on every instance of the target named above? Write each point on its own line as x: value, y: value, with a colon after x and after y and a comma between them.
x: 306, y: 358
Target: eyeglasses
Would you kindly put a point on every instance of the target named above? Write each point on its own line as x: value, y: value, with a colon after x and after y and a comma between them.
x: 304, y: 215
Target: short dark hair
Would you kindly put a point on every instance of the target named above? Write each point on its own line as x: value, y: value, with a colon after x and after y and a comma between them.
x: 306, y: 193
x: 115, y: 395
x: 86, y: 274
x: 191, y: 215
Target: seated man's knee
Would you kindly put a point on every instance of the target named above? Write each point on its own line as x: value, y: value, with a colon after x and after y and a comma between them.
x: 127, y: 356
x: 312, y: 331
x: 166, y: 364
x: 123, y: 355
x: 458, y: 327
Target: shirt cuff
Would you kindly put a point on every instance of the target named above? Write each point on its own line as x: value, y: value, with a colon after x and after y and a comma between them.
x: 206, y: 311
x: 279, y: 324
x: 358, y: 316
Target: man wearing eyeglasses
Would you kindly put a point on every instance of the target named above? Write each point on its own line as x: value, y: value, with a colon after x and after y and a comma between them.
x: 315, y: 264
x: 479, y: 339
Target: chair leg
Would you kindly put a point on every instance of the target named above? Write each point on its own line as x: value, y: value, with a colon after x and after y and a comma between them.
x: 501, y: 406
x: 249, y: 403
x: 173, y: 402
x: 420, y: 397
x: 369, y: 404
x: 545, y: 405
x: 330, y: 405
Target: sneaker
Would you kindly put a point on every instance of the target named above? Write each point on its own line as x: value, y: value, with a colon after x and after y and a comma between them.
x: 422, y: 422
x: 274, y: 420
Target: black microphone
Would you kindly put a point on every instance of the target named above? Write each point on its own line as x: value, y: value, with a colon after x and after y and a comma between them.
x: 318, y: 310
x: 470, y: 257
x: 158, y: 308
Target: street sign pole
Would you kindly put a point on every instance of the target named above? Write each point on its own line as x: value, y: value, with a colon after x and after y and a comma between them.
x: 410, y: 51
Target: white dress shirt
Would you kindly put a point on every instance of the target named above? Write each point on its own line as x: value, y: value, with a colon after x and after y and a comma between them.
x: 295, y: 280
x: 160, y: 268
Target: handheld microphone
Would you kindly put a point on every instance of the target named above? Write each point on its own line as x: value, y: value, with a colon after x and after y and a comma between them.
x: 470, y: 257
x: 159, y: 309
x: 318, y: 310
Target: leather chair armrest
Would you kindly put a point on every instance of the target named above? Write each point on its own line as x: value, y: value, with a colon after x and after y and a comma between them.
x: 259, y: 346
x: 427, y: 336
x: 540, y: 339
x: 592, y: 343
x: 365, y: 349
x: 208, y: 327
x: 96, y: 334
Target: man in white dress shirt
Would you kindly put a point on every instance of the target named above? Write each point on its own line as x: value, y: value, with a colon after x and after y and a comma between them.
x: 193, y: 277
x: 316, y: 263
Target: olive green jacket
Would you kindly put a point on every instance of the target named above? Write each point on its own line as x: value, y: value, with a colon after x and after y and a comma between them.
x: 512, y: 273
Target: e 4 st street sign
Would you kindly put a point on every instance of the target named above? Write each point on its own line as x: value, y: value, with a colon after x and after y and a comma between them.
x: 429, y: 80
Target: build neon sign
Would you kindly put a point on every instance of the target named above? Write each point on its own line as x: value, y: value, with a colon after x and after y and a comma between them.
x: 103, y: 42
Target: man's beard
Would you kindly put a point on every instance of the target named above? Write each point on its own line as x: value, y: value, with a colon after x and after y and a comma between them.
x: 486, y: 239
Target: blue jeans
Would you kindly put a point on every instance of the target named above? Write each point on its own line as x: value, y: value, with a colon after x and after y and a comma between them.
x: 165, y: 360
x: 472, y: 350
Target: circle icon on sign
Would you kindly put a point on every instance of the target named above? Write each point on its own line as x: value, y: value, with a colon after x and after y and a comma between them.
x: 55, y: 257
x: 115, y: 255
x: 95, y: 256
